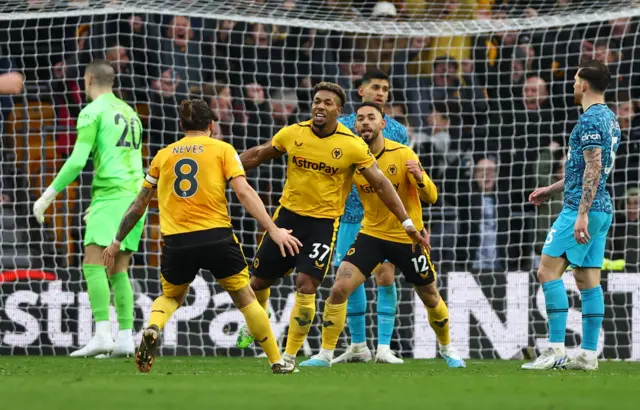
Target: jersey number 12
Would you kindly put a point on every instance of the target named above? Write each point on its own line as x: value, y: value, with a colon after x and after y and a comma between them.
x: 133, y: 123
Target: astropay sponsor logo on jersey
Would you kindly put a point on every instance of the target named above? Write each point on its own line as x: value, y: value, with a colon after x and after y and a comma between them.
x: 316, y: 166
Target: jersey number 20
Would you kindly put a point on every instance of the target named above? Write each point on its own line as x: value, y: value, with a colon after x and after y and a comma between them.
x: 183, y: 178
x: 122, y: 142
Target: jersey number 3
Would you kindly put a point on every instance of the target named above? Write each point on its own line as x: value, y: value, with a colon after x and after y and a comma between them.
x: 133, y: 123
x: 186, y: 184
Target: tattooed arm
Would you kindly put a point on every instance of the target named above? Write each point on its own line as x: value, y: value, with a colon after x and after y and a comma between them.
x: 591, y: 177
x: 134, y: 213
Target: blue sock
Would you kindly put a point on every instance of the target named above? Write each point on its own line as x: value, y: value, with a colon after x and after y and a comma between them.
x: 592, y: 316
x: 356, y: 307
x: 557, y: 302
x: 387, y: 301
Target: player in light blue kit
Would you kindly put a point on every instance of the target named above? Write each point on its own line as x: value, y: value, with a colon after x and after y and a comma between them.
x: 578, y: 237
x: 374, y: 88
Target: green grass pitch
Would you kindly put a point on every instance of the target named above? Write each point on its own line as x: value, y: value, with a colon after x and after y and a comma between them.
x: 51, y: 383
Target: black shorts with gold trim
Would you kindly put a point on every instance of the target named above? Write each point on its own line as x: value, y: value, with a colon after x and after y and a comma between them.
x: 318, y: 236
x: 216, y: 250
x: 367, y: 252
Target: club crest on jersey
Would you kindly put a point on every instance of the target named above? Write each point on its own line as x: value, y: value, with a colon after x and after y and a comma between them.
x: 298, y: 144
x: 256, y: 263
x: 351, y: 251
x: 336, y: 153
x: 316, y: 166
x: 392, y: 169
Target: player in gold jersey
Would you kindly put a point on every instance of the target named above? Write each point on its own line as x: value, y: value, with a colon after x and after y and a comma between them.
x: 382, y: 237
x: 191, y: 176
x: 322, y: 158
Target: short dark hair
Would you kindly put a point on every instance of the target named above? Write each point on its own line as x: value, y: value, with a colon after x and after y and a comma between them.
x: 102, y: 72
x: 596, y: 74
x: 378, y: 107
x: 375, y: 74
x: 195, y: 115
x: 332, y: 87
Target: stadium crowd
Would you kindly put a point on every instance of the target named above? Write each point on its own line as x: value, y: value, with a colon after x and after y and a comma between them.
x: 489, y: 114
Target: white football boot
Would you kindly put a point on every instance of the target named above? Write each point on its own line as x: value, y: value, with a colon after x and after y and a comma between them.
x: 549, y: 359
x: 582, y: 362
x: 356, y: 353
x: 124, y: 346
x: 385, y: 355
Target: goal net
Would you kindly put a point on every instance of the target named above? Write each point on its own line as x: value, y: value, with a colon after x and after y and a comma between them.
x: 483, y: 86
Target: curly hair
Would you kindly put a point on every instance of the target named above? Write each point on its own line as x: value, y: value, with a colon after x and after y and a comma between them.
x: 332, y: 87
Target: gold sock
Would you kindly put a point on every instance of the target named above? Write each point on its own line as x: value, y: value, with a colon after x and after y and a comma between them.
x: 161, y: 311
x: 263, y: 297
x: 302, y: 316
x: 260, y: 328
x: 333, y: 320
x: 439, y: 321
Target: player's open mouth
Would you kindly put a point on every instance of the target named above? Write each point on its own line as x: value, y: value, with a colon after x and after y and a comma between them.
x: 319, y: 116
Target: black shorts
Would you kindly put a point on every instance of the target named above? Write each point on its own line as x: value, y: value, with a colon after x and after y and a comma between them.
x: 216, y: 250
x: 318, y: 236
x: 368, y: 252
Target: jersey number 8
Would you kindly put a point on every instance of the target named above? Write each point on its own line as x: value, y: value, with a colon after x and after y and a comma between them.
x: 183, y: 178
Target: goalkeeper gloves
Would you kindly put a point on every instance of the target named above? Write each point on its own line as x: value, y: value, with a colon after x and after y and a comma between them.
x: 43, y: 203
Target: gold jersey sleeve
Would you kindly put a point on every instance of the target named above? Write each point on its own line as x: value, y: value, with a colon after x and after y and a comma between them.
x: 191, y: 176
x: 378, y: 221
x: 320, y: 169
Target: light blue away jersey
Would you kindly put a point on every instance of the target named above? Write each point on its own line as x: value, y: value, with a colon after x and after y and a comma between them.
x: 597, y: 127
x: 394, y: 131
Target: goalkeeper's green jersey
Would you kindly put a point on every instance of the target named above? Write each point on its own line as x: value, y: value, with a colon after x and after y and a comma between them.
x: 111, y: 131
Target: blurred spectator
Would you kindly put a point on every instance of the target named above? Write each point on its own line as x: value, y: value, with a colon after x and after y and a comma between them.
x: 141, y: 35
x: 626, y: 173
x: 284, y: 108
x: 181, y: 51
x: 125, y: 87
x: 551, y: 170
x: 352, y: 69
x: 166, y: 95
x: 221, y: 103
x: 480, y: 242
x: 259, y: 120
x: 625, y: 233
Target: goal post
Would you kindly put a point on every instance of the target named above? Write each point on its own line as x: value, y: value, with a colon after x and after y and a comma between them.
x: 484, y: 88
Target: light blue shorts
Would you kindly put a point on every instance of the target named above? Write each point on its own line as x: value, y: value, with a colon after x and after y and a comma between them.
x: 346, y: 236
x: 561, y: 242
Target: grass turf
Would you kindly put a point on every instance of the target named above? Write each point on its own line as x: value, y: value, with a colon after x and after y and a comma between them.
x: 241, y: 383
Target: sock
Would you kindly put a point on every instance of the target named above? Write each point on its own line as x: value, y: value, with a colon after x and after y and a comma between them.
x: 103, y: 327
x: 98, y: 289
x: 161, y: 311
x: 592, y: 316
x: 387, y: 302
x: 333, y: 320
x: 557, y: 303
x: 123, y: 299
x: 263, y: 297
x: 439, y: 321
x: 356, y: 307
x: 260, y: 328
x: 126, y: 334
x: 302, y: 316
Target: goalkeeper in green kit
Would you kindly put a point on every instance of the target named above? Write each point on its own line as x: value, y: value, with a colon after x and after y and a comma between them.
x: 111, y: 132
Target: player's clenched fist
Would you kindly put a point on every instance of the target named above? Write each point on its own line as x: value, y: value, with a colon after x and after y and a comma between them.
x: 415, y: 169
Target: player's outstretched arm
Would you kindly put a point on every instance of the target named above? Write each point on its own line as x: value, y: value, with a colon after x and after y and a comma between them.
x: 11, y: 83
x: 540, y: 195
x: 249, y: 198
x: 390, y: 198
x: 71, y: 168
x: 129, y: 220
x: 253, y: 157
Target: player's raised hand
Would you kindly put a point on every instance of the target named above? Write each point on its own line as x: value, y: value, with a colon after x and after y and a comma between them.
x: 109, y: 254
x: 285, y: 241
x: 415, y: 169
x: 540, y: 196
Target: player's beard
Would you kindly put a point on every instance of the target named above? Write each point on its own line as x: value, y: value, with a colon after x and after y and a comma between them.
x: 372, y: 137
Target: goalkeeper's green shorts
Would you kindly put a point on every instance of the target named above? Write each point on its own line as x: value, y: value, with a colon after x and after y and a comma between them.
x: 103, y: 220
